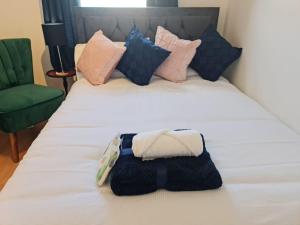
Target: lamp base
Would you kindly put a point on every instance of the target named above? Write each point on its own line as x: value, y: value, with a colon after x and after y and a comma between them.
x: 61, y: 73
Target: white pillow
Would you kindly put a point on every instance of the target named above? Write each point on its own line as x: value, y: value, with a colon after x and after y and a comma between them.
x: 191, y: 72
x: 78, y: 51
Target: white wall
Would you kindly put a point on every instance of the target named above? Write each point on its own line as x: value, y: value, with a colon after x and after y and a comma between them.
x: 269, y: 70
x: 19, y: 19
x: 209, y: 3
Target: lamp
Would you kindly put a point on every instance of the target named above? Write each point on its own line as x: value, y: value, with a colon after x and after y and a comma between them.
x: 55, y: 36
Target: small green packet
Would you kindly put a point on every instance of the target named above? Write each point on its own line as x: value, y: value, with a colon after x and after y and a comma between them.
x: 108, y: 160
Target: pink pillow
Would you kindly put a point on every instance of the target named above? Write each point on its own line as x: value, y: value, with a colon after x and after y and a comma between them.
x: 99, y: 58
x: 174, y: 68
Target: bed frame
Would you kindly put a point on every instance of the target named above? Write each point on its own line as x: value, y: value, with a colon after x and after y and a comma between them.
x: 187, y: 23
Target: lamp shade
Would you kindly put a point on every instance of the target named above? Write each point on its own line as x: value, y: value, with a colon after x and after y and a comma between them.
x: 54, y: 34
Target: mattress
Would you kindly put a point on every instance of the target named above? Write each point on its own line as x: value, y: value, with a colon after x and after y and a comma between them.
x: 257, y: 156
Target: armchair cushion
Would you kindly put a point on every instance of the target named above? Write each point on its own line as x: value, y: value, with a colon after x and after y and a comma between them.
x: 15, y: 62
x: 25, y: 105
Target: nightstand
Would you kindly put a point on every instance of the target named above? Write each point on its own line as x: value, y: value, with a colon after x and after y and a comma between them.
x: 54, y: 74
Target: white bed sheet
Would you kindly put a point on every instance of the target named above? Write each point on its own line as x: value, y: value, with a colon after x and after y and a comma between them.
x: 257, y: 156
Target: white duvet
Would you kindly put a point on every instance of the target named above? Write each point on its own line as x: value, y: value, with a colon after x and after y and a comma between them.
x: 257, y: 156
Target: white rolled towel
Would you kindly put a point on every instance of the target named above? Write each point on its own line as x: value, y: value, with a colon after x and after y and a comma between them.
x: 167, y: 143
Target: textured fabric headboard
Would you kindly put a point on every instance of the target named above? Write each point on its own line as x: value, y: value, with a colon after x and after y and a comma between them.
x: 187, y: 23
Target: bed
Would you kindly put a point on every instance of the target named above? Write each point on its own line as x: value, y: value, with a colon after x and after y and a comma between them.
x: 256, y: 154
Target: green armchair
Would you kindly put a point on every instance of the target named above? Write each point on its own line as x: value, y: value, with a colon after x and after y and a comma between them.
x: 22, y: 103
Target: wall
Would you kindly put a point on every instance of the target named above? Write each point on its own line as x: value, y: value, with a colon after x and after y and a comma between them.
x: 23, y: 19
x: 269, y: 70
x: 209, y: 3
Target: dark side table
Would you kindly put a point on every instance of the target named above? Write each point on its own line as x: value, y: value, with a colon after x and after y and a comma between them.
x: 53, y: 74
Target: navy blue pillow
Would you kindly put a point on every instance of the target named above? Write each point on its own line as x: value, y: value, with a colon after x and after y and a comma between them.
x: 214, y: 55
x: 133, y: 33
x: 141, y: 59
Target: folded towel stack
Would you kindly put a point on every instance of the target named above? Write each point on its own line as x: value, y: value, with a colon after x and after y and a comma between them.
x: 134, y: 176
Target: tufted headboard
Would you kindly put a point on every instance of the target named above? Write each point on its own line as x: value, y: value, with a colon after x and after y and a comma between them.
x: 187, y: 23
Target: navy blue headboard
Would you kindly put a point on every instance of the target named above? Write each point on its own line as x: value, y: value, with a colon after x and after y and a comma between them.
x: 187, y: 23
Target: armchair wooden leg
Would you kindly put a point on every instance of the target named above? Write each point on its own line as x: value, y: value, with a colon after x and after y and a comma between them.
x: 14, y: 147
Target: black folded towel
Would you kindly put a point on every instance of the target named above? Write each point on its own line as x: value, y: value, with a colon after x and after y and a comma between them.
x: 133, y: 176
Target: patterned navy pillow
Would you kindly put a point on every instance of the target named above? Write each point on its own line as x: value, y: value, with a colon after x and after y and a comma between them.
x: 214, y: 55
x: 141, y: 59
